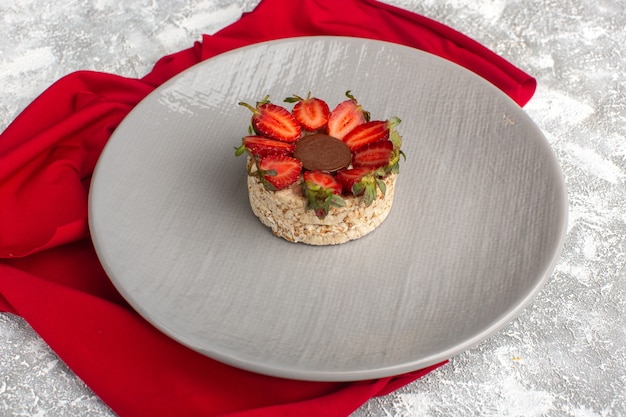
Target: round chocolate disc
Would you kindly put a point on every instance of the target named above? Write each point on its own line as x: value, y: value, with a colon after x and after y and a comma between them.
x: 319, y: 152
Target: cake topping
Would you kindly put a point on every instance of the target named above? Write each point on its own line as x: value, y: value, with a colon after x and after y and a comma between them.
x: 373, y: 155
x: 273, y: 121
x: 322, y: 153
x: 362, y: 181
x: 321, y: 191
x: 278, y: 171
x: 346, y: 116
x: 261, y: 146
x: 370, y: 132
x: 311, y: 112
x: 331, y: 154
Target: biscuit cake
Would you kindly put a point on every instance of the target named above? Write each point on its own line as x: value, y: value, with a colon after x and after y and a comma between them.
x: 318, y: 176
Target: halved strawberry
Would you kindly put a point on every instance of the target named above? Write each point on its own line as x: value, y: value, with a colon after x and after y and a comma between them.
x: 361, y: 181
x: 370, y: 132
x: 278, y: 171
x: 348, y: 177
x: 273, y: 121
x: 323, y: 180
x: 345, y: 117
x: 262, y: 146
x: 373, y: 155
x: 321, y: 191
x: 311, y: 112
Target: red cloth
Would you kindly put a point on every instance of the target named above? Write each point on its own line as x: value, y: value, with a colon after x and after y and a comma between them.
x: 50, y: 275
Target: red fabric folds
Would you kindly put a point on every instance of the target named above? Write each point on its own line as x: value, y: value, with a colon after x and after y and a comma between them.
x: 50, y: 275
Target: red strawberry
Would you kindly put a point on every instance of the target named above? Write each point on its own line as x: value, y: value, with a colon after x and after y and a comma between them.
x: 273, y: 121
x: 324, y: 180
x: 370, y: 132
x: 373, y: 155
x: 345, y: 117
x: 279, y: 171
x: 361, y: 181
x: 311, y: 112
x: 262, y: 146
x: 321, y: 191
x: 348, y: 177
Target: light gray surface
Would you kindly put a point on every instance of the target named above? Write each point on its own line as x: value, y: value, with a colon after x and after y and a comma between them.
x: 475, y: 230
x: 563, y: 356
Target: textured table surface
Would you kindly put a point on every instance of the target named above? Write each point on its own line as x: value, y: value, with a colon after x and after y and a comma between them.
x: 564, y: 355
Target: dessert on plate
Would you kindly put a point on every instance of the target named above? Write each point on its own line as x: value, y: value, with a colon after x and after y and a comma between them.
x: 320, y: 176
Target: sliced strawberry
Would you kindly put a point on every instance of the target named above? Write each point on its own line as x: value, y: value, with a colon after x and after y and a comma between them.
x: 345, y: 117
x: 361, y: 182
x: 322, y: 191
x: 279, y: 171
x: 262, y: 146
x: 373, y: 155
x: 348, y: 177
x: 311, y: 112
x: 273, y: 121
x: 370, y: 132
x: 323, y: 180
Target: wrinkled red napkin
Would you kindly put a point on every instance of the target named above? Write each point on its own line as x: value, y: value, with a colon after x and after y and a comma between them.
x: 50, y: 275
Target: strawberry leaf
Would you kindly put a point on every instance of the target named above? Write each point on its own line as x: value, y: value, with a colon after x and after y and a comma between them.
x: 358, y: 188
x: 269, y: 186
x: 337, y: 201
x: 240, y: 150
x: 395, y: 138
x: 295, y: 98
x: 320, y: 193
x: 381, y: 185
x: 370, y: 194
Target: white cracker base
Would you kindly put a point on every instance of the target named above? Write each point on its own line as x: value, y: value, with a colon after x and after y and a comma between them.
x: 284, y: 212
